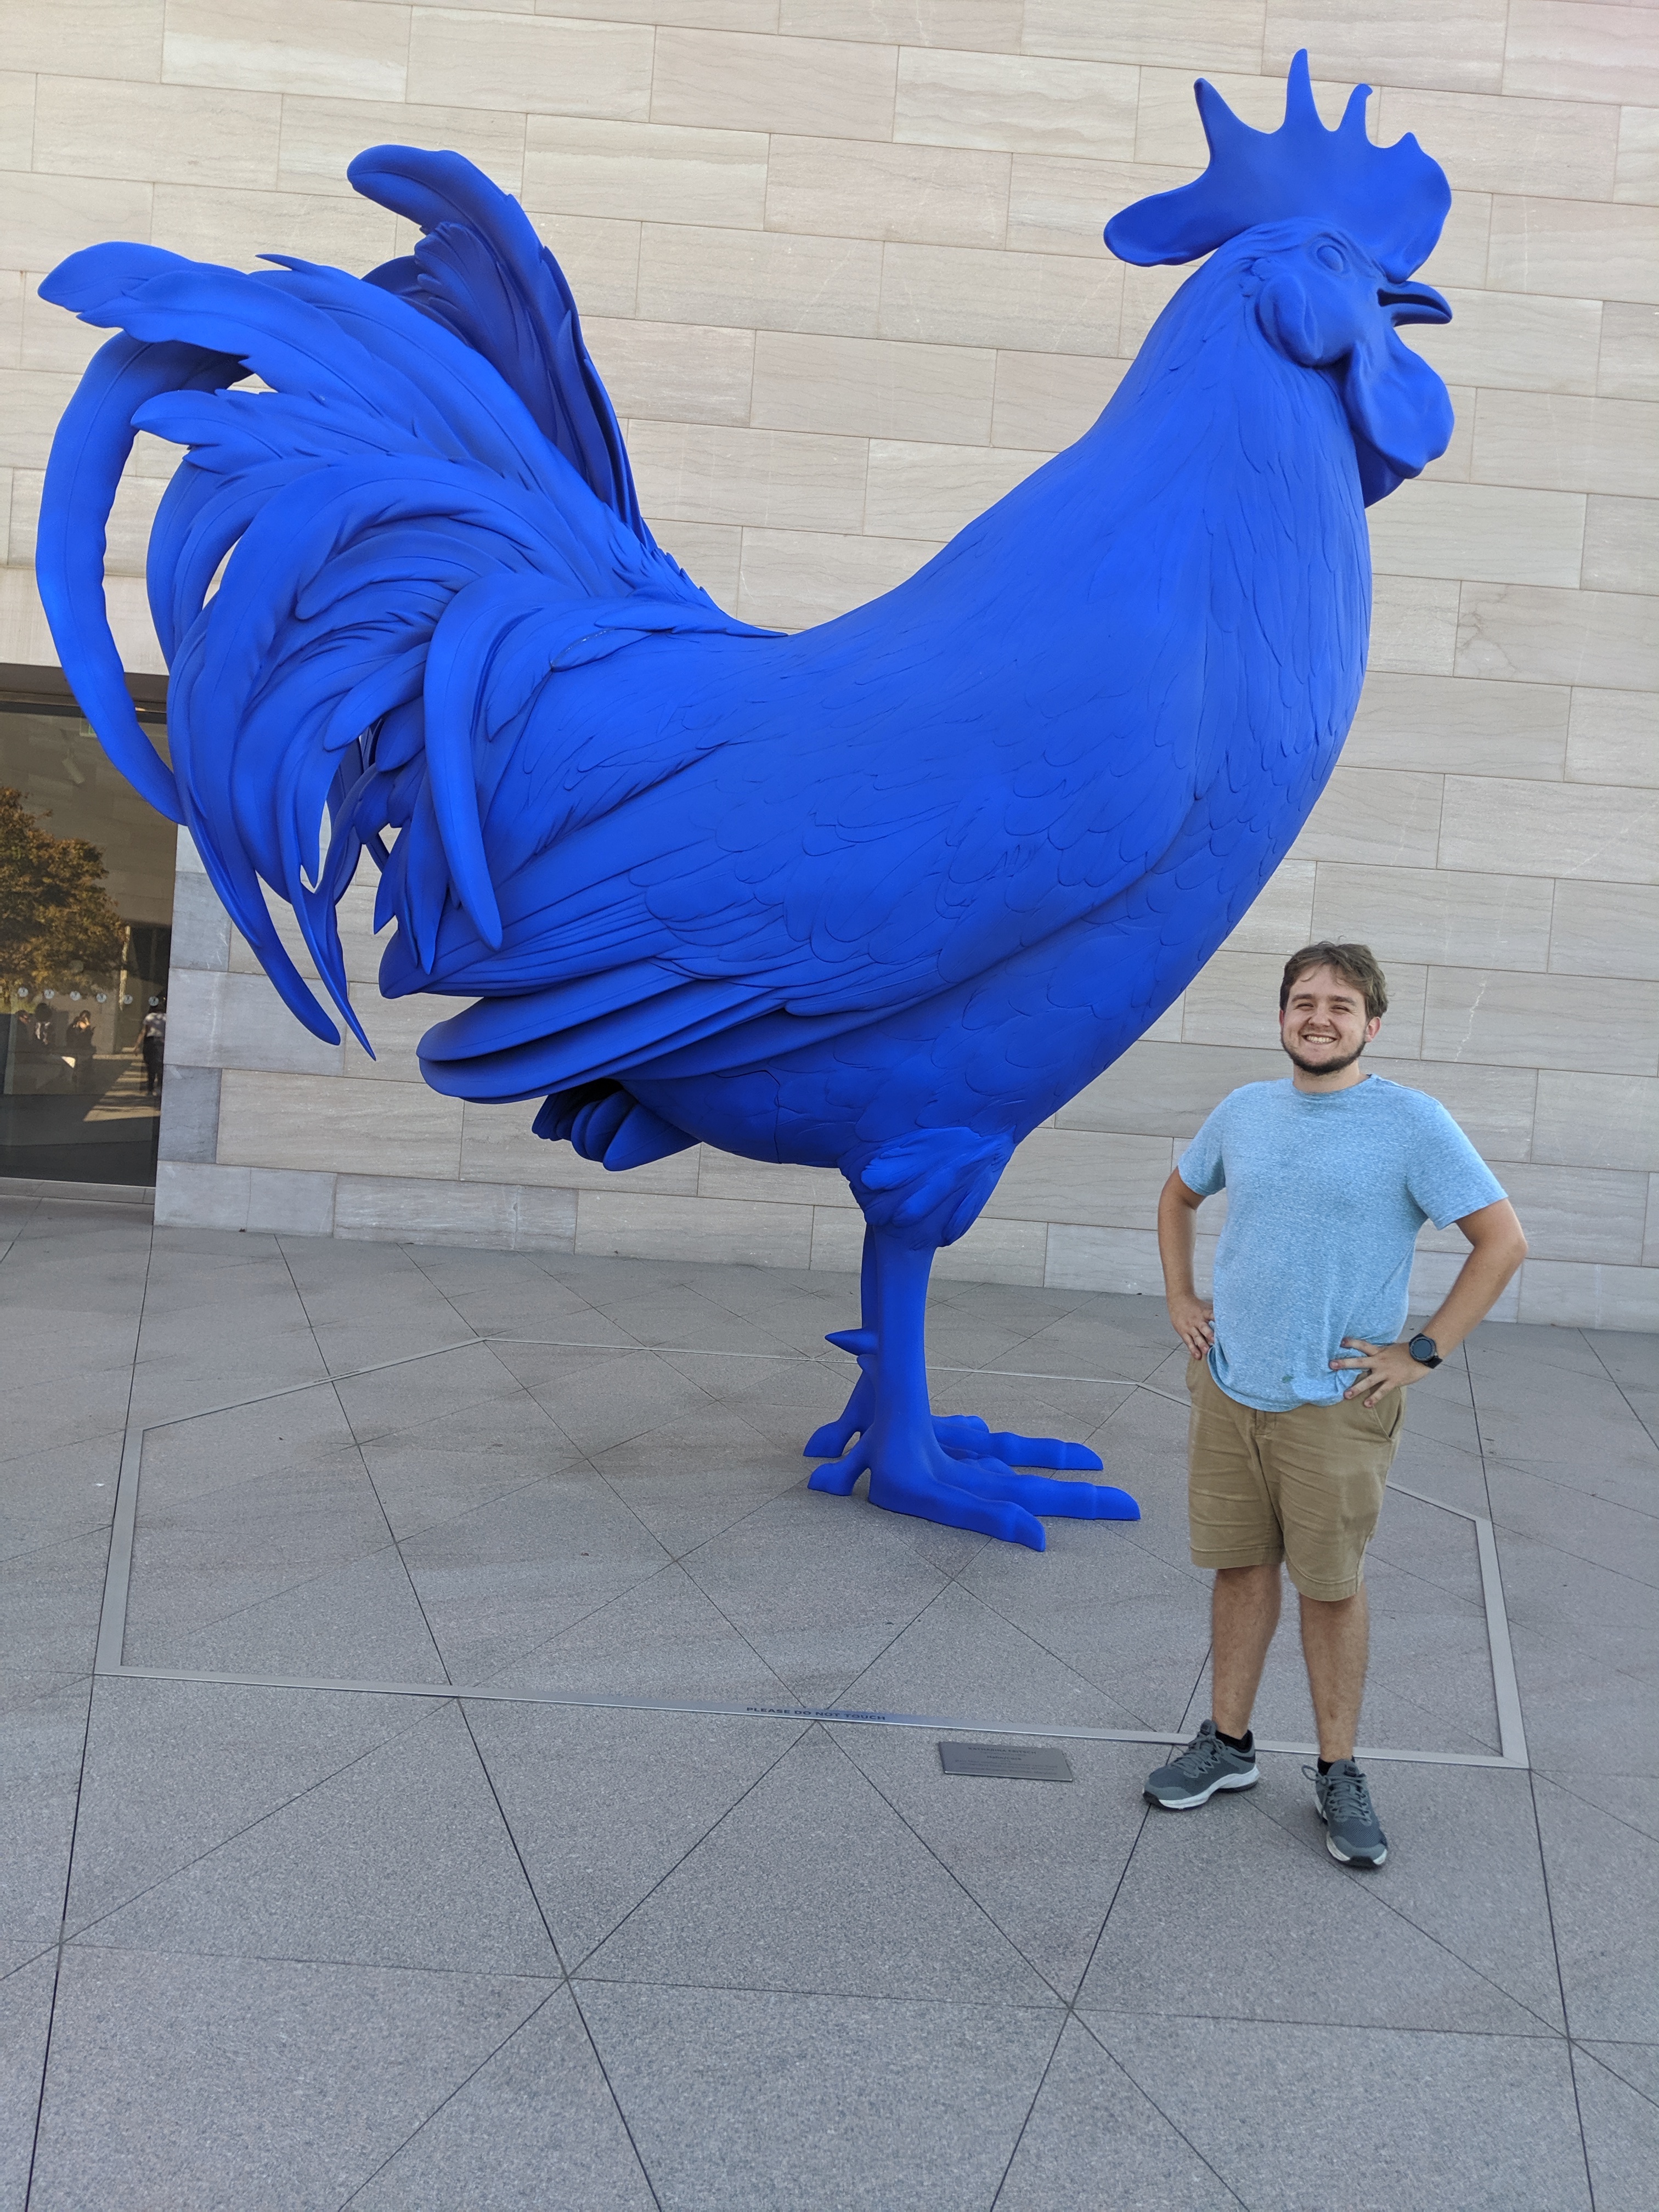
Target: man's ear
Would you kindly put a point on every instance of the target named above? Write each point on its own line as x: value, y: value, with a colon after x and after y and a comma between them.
x: 1371, y: 1028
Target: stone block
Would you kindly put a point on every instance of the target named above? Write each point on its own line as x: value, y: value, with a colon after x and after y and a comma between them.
x: 1622, y: 545
x: 1568, y: 444
x: 497, y: 1146
x: 986, y: 26
x: 189, y: 1115
x: 710, y: 553
x: 1164, y: 1088
x: 873, y: 387
x: 1563, y: 1293
x: 1579, y: 1213
x: 1457, y: 47
x: 931, y: 491
x: 1630, y: 351
x: 223, y: 1020
x: 320, y: 137
x: 323, y: 1122
x: 1574, y: 248
x: 762, y: 280
x: 286, y: 1203
x: 1206, y: 35
x: 126, y: 534
x: 1168, y: 129
x: 648, y: 172
x: 772, y: 479
x: 1044, y: 401
x: 355, y: 48
x: 673, y: 372
x: 193, y: 1195
x: 1605, y: 834
x: 85, y: 126
x: 1282, y: 916
x: 791, y: 578
x: 16, y: 119
x: 1576, y: 50
x: 1493, y: 1106
x: 1060, y: 204
x: 968, y: 297
x: 1026, y: 104
x: 1562, y: 147
x: 1377, y: 817
x: 736, y: 1233
x: 1638, y: 154
x: 930, y: 195
x: 546, y: 66
x: 85, y: 37
x: 215, y: 223
x: 1610, y: 737
x: 1514, y: 341
x: 807, y: 87
x: 50, y: 216
x: 1080, y: 1258
x: 1606, y: 929
x: 1083, y: 1175
x: 495, y: 1217
x: 1489, y: 1014
x: 996, y: 1251
x: 1597, y: 1121
x: 1414, y: 624
x: 1436, y: 914
x: 725, y: 1175
x: 1535, y: 634
x: 1460, y: 725
x: 201, y: 927
x: 1504, y: 535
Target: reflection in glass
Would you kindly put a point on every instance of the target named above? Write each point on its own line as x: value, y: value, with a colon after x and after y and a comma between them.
x: 86, y: 912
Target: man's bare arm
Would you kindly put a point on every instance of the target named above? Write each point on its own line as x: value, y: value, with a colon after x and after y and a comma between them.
x: 1497, y: 1245
x: 1177, y: 1232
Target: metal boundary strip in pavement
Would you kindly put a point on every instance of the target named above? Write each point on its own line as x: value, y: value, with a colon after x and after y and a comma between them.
x: 109, y: 1660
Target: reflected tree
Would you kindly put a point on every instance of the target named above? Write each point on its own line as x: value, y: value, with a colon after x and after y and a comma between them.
x: 58, y: 923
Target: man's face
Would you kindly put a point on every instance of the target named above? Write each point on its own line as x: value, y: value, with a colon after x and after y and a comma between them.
x: 1324, y: 1027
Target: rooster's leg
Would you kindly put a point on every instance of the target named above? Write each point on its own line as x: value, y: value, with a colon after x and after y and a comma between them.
x: 964, y: 1436
x: 954, y: 1478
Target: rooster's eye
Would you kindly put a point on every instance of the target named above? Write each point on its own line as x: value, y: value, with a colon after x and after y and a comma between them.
x: 1331, y: 258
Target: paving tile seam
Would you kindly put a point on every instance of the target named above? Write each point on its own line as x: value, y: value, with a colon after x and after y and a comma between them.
x: 1568, y: 1789
x: 1312, y: 1843
x: 552, y: 1983
x: 580, y: 1977
x: 1587, y: 2047
x: 1549, y: 2040
x: 1146, y: 2096
x: 1025, y: 2121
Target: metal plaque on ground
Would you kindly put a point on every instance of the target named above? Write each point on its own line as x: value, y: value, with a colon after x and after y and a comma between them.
x: 1007, y: 1762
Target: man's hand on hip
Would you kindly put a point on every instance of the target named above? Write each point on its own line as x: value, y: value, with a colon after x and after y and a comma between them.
x: 1383, y: 1367
x: 1194, y: 1323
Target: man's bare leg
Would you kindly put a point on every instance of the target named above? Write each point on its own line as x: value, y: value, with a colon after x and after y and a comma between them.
x: 1336, y: 1645
x: 1243, y: 1614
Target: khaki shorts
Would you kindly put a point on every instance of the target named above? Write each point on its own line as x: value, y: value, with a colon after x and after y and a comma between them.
x: 1305, y: 1486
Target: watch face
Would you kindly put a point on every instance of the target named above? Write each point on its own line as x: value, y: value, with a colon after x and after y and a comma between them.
x: 1422, y: 1349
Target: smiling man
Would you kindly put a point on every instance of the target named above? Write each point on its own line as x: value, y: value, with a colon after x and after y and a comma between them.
x: 1297, y: 1377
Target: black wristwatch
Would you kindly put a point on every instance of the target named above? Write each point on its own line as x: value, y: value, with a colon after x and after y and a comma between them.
x: 1424, y: 1350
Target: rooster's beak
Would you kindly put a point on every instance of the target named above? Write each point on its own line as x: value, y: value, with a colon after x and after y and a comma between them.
x: 1413, y: 303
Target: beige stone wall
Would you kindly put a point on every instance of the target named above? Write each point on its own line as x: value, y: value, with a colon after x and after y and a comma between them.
x: 840, y: 261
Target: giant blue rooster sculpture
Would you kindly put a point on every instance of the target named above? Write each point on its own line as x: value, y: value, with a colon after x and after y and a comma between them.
x: 881, y: 895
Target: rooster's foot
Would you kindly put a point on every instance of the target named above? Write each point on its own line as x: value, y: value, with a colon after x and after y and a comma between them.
x: 917, y: 1474
x: 964, y: 1436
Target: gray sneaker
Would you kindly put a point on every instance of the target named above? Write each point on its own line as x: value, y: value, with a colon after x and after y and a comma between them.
x: 1353, y: 1834
x: 1207, y: 1764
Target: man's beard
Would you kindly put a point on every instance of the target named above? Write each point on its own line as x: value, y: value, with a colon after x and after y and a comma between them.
x: 1324, y: 1067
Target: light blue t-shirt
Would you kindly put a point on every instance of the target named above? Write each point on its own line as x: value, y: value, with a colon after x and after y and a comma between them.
x: 1326, y: 1193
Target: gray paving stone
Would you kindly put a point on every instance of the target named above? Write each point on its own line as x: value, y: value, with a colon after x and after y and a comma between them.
x: 603, y: 1397
x: 661, y: 1639
x: 1043, y: 1859
x: 1637, y: 2064
x: 276, y: 2084
x: 1304, y: 1943
x: 62, y: 1490
x: 537, y: 2117
x: 1621, y: 2134
x: 41, y: 1746
x: 400, y: 1859
x: 1602, y: 1878
x: 819, y: 1585
x: 437, y: 1385
x: 25, y: 2015
x: 495, y: 1583
x: 1107, y: 1606
x: 1569, y: 1517
x: 1592, y: 1729
x: 50, y: 1597
x: 448, y: 1465
x: 604, y: 1803
x: 1094, y: 2137
x: 1464, y: 1866
x: 1292, y: 2115
x: 202, y: 1452
x: 358, y: 1623
x: 812, y: 1883
x: 700, y: 1474
x: 752, y: 2101
x: 175, y: 1769
x: 960, y: 1658
x: 1574, y: 1602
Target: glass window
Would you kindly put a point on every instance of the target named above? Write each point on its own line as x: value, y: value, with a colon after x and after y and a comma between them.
x: 86, y: 923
